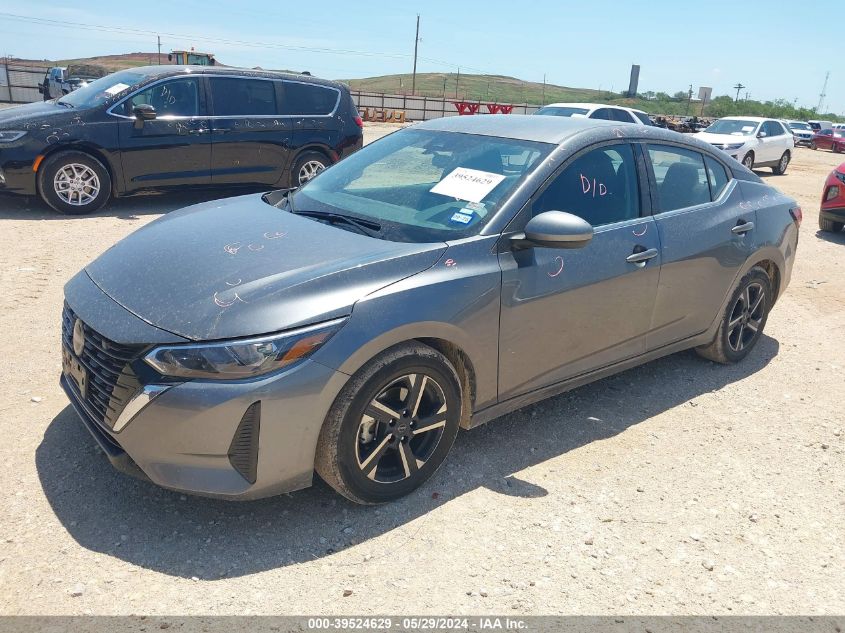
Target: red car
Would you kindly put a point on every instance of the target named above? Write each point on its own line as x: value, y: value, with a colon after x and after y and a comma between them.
x: 829, y: 139
x: 832, y: 213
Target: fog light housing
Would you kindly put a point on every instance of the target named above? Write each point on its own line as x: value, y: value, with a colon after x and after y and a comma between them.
x: 832, y: 192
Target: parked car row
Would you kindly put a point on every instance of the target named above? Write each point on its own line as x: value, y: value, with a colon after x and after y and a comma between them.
x: 160, y: 127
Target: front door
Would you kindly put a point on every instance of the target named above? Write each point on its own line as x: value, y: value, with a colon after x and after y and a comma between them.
x: 174, y: 148
x: 250, y: 140
x: 567, y: 312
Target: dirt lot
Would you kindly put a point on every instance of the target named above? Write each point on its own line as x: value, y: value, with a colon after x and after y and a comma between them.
x: 680, y: 487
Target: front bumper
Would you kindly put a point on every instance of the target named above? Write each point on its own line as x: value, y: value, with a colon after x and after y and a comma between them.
x: 182, y: 438
x: 834, y: 214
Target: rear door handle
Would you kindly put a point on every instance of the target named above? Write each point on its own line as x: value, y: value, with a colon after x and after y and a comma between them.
x: 742, y: 227
x: 641, y: 256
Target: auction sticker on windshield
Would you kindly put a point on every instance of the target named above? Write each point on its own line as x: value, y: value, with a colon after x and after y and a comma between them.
x: 116, y: 88
x: 468, y: 184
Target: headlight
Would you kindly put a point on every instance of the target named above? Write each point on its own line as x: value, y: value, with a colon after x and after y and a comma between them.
x: 730, y: 146
x: 9, y: 136
x: 244, y: 358
x: 840, y: 175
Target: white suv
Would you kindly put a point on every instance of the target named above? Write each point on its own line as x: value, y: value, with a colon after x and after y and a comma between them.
x: 597, y: 111
x: 753, y: 141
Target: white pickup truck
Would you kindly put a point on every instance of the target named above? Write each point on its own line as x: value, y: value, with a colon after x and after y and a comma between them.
x: 60, y: 80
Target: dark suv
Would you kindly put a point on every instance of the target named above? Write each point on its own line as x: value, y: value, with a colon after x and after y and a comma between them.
x: 159, y: 127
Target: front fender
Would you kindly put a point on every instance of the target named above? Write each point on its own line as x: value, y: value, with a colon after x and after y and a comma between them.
x: 457, y: 301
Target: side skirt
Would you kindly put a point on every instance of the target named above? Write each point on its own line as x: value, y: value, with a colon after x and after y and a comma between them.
x: 509, y: 406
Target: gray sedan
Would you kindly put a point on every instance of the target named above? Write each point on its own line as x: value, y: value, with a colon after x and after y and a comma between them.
x: 443, y: 276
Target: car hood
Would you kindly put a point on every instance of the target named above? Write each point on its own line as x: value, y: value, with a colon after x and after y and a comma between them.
x: 241, y: 267
x: 32, y: 114
x: 722, y: 139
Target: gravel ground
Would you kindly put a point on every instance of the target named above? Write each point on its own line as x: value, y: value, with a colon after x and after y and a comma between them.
x: 680, y: 487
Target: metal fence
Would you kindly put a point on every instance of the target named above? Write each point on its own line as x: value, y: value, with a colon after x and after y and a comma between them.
x: 424, y: 108
x: 19, y: 82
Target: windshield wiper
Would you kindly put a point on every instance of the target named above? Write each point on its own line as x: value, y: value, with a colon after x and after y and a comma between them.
x: 65, y: 104
x: 371, y: 229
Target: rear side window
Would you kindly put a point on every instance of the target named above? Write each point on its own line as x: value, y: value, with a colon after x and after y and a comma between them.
x: 718, y: 176
x: 308, y: 99
x: 599, y: 186
x: 644, y: 118
x: 680, y: 175
x: 601, y: 113
x: 233, y: 96
x: 620, y: 115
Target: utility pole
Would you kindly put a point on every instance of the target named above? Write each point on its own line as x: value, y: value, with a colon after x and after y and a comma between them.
x: 416, y: 43
x: 457, y: 81
x: 823, y: 93
x: 544, y: 88
x: 689, y: 98
x: 738, y: 87
x: 158, y: 37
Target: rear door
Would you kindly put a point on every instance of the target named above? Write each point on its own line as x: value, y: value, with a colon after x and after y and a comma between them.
x: 250, y: 139
x: 172, y: 150
x: 312, y: 109
x: 706, y: 235
x: 567, y: 312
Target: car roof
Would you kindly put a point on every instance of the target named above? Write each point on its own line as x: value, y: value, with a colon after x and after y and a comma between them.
x: 551, y: 129
x: 168, y: 70
x: 588, y: 106
x: 755, y: 119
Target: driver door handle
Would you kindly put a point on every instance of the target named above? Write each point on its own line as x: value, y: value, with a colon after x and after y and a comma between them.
x: 641, y: 256
x: 742, y: 227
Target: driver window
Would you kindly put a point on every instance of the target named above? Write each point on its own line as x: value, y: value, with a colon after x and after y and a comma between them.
x: 179, y: 97
x: 600, y: 186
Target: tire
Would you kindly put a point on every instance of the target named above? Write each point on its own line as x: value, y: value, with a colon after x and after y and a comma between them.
x: 812, y: 145
x: 77, y: 198
x: 361, y: 455
x: 732, y: 342
x: 829, y: 226
x: 783, y: 163
x: 307, y: 166
x: 748, y: 160
x: 836, y: 148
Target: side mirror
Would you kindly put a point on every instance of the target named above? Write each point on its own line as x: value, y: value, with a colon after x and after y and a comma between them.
x: 554, y: 229
x: 761, y: 135
x: 143, y: 112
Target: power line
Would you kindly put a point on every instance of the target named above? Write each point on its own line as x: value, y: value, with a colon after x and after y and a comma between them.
x: 119, y: 29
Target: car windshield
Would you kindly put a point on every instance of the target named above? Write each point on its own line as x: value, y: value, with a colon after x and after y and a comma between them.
x: 423, y: 185
x: 737, y: 127
x: 97, y: 92
x: 561, y: 110
x: 797, y: 125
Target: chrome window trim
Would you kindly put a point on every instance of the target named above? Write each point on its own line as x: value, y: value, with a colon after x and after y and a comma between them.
x: 228, y: 116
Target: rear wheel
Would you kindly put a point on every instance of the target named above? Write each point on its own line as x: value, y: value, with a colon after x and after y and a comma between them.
x: 391, y: 426
x: 813, y: 145
x: 307, y: 167
x: 748, y: 160
x: 743, y: 321
x: 783, y: 163
x: 829, y: 226
x: 74, y: 183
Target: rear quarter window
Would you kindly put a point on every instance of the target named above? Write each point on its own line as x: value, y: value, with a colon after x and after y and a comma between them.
x: 306, y: 99
x: 234, y: 96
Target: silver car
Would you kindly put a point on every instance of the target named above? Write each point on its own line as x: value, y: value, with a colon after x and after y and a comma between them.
x: 443, y: 276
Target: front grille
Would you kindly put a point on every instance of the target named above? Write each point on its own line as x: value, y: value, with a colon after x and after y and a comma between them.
x: 111, y: 383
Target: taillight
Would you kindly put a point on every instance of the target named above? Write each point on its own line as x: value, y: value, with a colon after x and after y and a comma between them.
x: 797, y: 215
x: 359, y: 121
x: 832, y: 192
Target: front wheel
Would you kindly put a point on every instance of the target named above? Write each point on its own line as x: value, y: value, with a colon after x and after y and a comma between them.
x: 829, y: 226
x: 748, y: 161
x: 391, y: 426
x: 74, y: 183
x: 813, y: 145
x: 743, y: 321
x: 783, y: 163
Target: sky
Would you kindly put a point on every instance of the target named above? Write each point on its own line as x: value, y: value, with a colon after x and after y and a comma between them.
x: 585, y: 44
